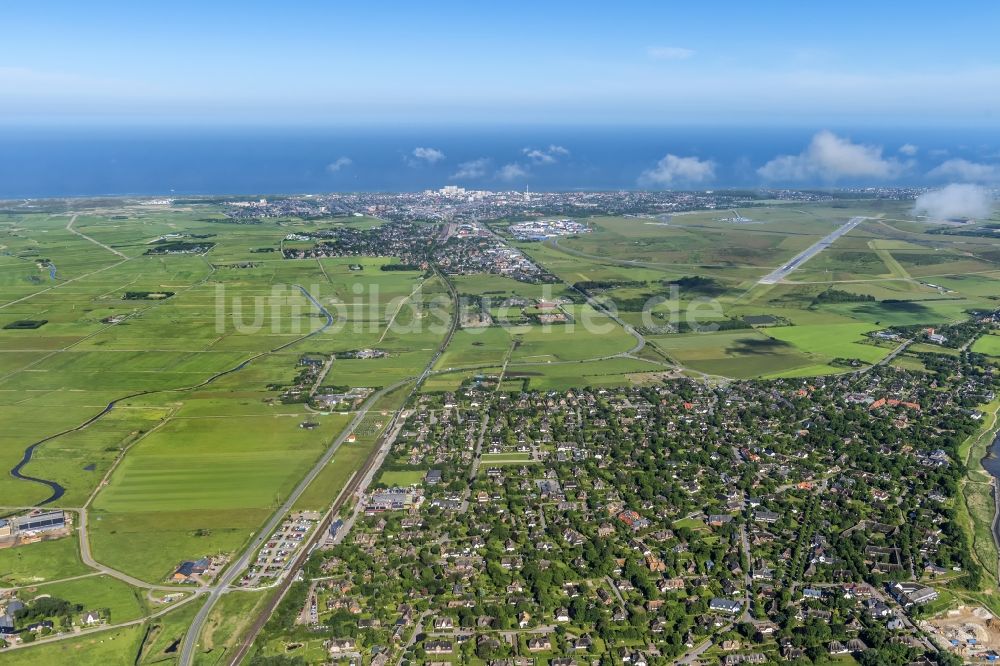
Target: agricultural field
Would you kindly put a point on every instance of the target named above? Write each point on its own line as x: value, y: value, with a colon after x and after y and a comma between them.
x: 831, y: 341
x: 123, y: 602
x: 599, y: 373
x: 41, y: 562
x: 595, y: 336
x: 350, y: 456
x: 988, y: 344
x: 451, y: 380
x: 117, y: 647
x: 479, y: 346
x: 743, y: 353
x: 147, y: 383
x: 889, y: 271
x: 201, y: 485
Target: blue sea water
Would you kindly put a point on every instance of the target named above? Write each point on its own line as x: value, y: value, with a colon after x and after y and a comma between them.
x: 90, y: 161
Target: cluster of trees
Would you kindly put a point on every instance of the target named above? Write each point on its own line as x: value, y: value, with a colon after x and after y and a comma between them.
x: 832, y: 295
x: 177, y: 247
x: 146, y: 295
x: 697, y: 285
x: 50, y: 608
x: 400, y: 267
x: 594, y: 286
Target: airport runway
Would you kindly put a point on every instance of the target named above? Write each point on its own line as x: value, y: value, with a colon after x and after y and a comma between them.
x: 779, y: 274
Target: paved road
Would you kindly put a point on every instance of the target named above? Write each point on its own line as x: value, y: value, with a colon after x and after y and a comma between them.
x: 897, y: 351
x: 692, y: 655
x: 236, y: 568
x: 89, y: 560
x: 321, y: 376
x: 747, y: 576
x: 107, y: 627
x: 891, y: 355
x: 357, y: 481
x: 477, y: 454
x: 69, y: 227
x: 413, y: 637
x: 640, y: 341
x: 615, y: 591
x: 194, y: 631
x: 33, y: 586
x: 779, y: 274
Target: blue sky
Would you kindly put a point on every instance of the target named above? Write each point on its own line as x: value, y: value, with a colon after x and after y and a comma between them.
x: 728, y: 63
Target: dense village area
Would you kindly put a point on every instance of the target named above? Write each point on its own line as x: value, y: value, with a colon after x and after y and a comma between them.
x: 785, y: 521
x: 457, y: 249
x: 451, y: 203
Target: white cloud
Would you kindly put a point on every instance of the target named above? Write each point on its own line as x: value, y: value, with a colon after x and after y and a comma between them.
x: 338, y: 164
x: 830, y: 157
x: 955, y: 201
x: 538, y: 156
x: 429, y: 155
x: 669, y: 53
x: 511, y: 172
x: 908, y: 149
x: 959, y: 169
x: 548, y: 155
x: 472, y: 169
x: 673, y: 169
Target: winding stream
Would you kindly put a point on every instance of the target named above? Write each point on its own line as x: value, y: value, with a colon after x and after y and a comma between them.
x: 58, y: 490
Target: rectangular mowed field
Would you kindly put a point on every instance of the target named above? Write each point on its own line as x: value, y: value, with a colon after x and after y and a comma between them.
x: 741, y: 353
x: 988, y: 344
x: 829, y: 341
x: 201, y: 486
x: 214, y: 463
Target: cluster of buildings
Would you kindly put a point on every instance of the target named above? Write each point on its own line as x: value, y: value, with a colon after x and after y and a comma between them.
x: 341, y: 401
x: 935, y: 337
x: 280, y: 550
x: 14, y: 629
x: 482, y: 251
x: 392, y: 499
x: 198, y: 572
x: 407, y: 241
x: 34, y: 526
x: 454, y: 203
x: 539, y: 230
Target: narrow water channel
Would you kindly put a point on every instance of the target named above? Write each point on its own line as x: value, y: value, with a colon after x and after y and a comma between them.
x: 991, y: 463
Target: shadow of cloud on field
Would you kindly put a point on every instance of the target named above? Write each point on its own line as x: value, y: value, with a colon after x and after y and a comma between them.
x: 751, y: 346
x: 697, y: 285
x: 893, y: 307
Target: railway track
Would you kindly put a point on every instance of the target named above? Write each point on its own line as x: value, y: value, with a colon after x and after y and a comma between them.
x: 372, y: 462
x: 265, y: 613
